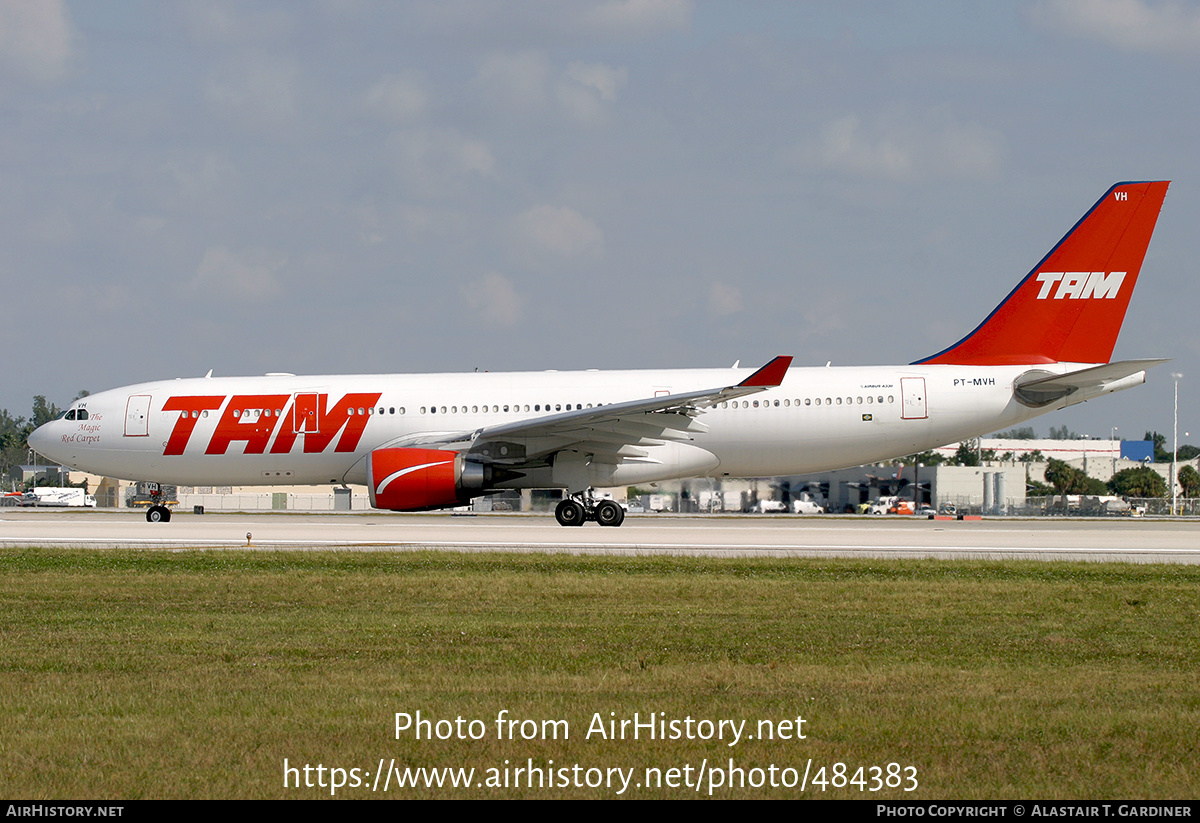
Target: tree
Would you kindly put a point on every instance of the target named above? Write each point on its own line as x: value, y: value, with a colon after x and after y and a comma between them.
x: 43, y: 412
x: 1065, y: 479
x: 1189, y: 479
x: 1035, y: 488
x: 1034, y: 456
x: 1161, y: 455
x: 1062, y: 433
x: 1020, y: 433
x: 967, y: 454
x: 13, y: 449
x: 1142, y: 481
x: 926, y: 458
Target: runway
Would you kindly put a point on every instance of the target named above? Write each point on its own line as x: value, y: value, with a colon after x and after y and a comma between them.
x: 1125, y: 540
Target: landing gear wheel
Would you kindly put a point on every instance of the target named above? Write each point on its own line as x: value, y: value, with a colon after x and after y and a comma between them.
x: 158, y: 514
x: 609, y: 513
x: 570, y: 513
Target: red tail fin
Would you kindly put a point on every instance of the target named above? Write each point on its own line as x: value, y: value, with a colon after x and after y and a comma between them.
x: 1070, y: 307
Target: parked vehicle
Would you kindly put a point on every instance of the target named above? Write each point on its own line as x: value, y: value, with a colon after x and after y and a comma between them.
x: 882, y: 505
x: 767, y: 506
x: 55, y: 496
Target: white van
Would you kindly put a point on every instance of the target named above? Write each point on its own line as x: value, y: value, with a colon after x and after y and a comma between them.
x: 52, y: 496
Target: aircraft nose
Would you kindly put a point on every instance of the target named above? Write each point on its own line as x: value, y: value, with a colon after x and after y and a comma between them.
x: 40, y: 439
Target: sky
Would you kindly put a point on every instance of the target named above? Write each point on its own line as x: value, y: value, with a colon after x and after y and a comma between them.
x: 355, y: 186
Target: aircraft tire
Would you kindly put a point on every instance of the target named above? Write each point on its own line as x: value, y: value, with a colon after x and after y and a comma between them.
x: 158, y: 514
x: 609, y: 513
x: 569, y: 513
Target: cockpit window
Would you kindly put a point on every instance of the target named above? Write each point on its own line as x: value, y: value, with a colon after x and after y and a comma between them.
x: 81, y: 414
x: 70, y: 415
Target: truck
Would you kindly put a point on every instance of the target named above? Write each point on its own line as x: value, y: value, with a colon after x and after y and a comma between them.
x: 58, y: 496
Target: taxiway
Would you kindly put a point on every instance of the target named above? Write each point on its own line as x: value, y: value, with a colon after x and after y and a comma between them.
x: 1137, y: 541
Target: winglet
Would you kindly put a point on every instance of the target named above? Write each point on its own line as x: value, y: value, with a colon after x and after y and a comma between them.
x: 770, y: 375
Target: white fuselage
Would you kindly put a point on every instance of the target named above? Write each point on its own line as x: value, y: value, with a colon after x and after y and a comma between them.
x: 283, y: 429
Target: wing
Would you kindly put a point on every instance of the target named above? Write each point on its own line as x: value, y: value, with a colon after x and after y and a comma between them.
x: 612, y: 433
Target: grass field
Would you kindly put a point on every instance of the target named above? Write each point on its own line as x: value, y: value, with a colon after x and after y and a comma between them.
x: 196, y: 674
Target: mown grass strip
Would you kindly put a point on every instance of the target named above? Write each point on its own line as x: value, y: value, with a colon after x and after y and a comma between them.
x: 195, y: 674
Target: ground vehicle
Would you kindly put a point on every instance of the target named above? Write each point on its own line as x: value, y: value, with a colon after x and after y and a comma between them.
x: 766, y: 506
x: 807, y: 507
x: 883, y: 505
x: 58, y: 496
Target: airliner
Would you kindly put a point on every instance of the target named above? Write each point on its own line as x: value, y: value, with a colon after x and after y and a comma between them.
x: 430, y: 441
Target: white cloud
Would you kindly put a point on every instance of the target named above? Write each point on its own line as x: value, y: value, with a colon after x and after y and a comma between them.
x: 249, y: 276
x: 259, y: 91
x: 585, y: 89
x: 233, y: 24
x: 205, y: 179
x: 515, y: 80
x: 526, y: 82
x: 398, y: 97
x: 558, y: 231
x: 437, y: 159
x: 724, y: 299
x: 1130, y: 25
x: 36, y: 38
x: 494, y: 298
x: 904, y: 148
x: 641, y: 17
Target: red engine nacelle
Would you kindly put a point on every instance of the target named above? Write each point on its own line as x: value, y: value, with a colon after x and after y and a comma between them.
x: 416, y: 479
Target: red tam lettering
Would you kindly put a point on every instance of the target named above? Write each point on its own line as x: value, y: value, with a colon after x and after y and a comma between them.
x: 250, y: 418
x: 319, y: 424
x: 191, y: 408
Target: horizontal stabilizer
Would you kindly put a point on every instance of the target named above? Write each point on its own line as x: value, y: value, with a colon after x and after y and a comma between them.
x: 1037, y: 388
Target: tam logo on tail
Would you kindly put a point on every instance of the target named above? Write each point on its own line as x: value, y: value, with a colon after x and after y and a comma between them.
x: 1069, y: 309
x: 1081, y: 284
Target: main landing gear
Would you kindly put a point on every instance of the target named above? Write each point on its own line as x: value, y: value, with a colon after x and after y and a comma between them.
x: 580, y: 508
